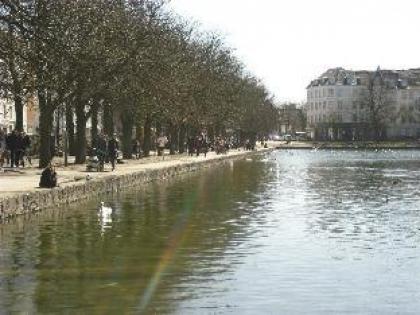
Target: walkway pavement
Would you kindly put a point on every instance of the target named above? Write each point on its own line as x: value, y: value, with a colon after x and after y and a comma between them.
x: 24, y: 180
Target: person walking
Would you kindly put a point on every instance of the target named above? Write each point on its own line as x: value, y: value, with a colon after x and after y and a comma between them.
x: 190, y: 146
x: 136, y: 148
x: 201, y: 144
x: 27, y: 148
x: 11, y: 142
x: 3, y: 149
x: 113, y: 150
x: 198, y: 142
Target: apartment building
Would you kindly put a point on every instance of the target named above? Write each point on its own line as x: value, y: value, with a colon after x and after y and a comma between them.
x: 337, y: 106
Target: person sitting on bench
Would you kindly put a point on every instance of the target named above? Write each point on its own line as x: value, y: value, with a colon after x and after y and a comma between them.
x: 48, y: 177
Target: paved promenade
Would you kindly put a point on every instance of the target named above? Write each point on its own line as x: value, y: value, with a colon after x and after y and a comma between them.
x: 18, y: 181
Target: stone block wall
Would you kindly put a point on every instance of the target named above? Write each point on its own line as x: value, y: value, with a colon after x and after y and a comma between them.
x: 25, y: 203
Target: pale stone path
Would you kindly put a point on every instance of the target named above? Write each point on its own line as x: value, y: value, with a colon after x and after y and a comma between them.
x: 26, y: 180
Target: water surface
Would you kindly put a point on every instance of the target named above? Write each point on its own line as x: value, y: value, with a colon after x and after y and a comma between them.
x: 292, y: 232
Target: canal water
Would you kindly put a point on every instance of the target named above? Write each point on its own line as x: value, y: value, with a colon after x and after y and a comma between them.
x: 290, y: 232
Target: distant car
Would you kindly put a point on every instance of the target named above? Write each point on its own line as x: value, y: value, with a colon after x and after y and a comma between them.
x: 287, y: 137
x: 301, y: 136
x: 276, y: 138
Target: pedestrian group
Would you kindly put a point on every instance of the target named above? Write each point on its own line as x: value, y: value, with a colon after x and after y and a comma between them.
x: 14, y: 149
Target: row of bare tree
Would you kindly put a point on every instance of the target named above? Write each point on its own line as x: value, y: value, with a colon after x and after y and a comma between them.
x: 131, y: 59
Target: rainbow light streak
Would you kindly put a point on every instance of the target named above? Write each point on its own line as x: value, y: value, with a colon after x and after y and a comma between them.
x: 178, y: 235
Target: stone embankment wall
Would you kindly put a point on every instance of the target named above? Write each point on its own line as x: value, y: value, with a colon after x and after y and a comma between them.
x: 25, y: 203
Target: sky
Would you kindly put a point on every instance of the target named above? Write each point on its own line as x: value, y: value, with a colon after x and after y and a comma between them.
x: 288, y: 43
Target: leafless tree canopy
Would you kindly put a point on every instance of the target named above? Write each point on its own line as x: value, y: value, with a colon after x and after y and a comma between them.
x: 134, y: 58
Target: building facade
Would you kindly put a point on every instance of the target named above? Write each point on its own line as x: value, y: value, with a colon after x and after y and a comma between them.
x: 30, y: 115
x: 291, y: 119
x: 342, y: 104
x: 8, y: 115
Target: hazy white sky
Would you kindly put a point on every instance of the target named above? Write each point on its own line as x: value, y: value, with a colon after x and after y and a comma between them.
x: 287, y: 43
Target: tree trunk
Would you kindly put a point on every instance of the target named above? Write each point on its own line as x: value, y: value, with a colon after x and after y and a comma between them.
x: 94, y: 122
x: 108, y: 120
x: 158, y: 127
x: 80, y: 133
x: 19, y: 112
x: 127, y: 120
x: 70, y: 129
x: 57, y: 129
x: 173, y: 145
x: 147, y: 142
x: 139, y: 131
x: 17, y: 90
x: 211, y: 134
x: 45, y: 126
x: 182, y: 138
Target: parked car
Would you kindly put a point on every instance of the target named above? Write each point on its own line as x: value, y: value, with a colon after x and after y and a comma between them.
x: 287, y: 138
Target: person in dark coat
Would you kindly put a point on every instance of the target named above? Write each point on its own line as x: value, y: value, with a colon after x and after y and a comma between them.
x: 26, y: 148
x: 48, y: 177
x: 136, y: 148
x: 198, y: 144
x: 201, y: 144
x: 190, y: 146
x: 113, y: 150
x: 101, y: 148
x: 12, y: 146
x: 3, y: 149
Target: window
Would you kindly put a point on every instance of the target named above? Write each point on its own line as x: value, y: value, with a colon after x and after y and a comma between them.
x: 325, y: 105
x: 354, y: 117
x: 330, y: 92
x: 340, y: 104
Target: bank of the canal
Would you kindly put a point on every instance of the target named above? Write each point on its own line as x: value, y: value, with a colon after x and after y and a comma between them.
x: 20, y: 195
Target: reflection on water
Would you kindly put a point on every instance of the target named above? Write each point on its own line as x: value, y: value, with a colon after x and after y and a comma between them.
x: 290, y: 232
x: 105, y: 216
